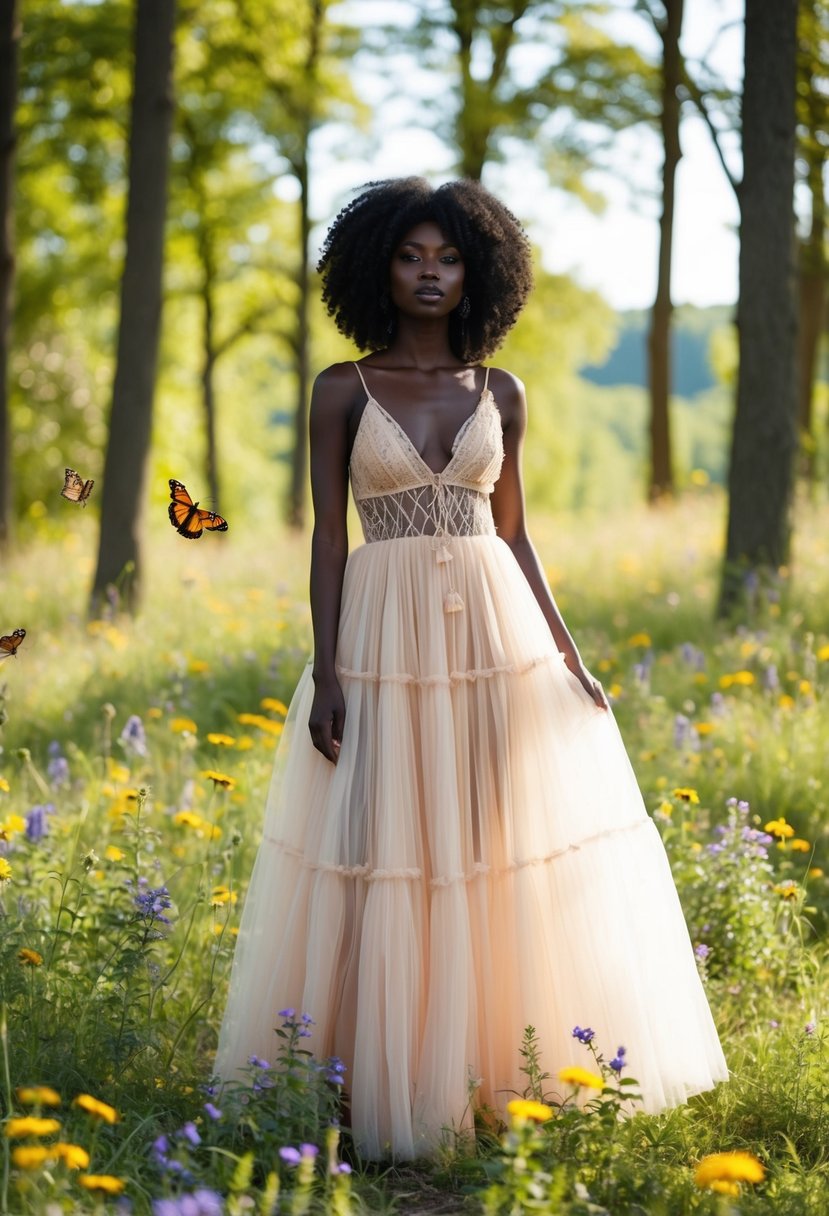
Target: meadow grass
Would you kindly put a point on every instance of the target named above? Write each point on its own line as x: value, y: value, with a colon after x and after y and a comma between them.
x: 126, y: 863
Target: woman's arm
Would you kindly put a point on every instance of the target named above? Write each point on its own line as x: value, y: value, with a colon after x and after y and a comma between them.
x: 331, y: 403
x: 509, y: 514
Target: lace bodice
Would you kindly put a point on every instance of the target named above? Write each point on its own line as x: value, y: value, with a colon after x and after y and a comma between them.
x: 398, y: 495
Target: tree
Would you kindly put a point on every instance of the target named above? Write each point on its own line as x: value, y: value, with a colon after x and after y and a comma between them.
x: 9, y: 41
x: 813, y: 153
x: 668, y: 25
x: 119, y: 553
x: 764, y: 438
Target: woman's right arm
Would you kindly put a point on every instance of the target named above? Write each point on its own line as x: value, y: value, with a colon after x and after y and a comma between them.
x: 331, y: 403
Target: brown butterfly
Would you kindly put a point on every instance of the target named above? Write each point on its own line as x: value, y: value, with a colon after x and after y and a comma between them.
x: 187, y: 517
x: 10, y: 642
x: 75, y: 488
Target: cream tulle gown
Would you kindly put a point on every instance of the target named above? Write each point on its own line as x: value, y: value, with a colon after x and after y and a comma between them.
x: 480, y: 858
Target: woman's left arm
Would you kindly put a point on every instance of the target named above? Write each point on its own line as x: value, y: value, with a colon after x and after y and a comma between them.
x: 509, y: 514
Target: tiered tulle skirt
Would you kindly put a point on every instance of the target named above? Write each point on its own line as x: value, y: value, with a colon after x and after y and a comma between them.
x: 479, y: 859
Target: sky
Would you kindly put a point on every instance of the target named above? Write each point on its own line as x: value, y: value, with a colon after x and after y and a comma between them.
x: 614, y: 252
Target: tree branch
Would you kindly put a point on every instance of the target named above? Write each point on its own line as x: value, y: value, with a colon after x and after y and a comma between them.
x: 699, y: 99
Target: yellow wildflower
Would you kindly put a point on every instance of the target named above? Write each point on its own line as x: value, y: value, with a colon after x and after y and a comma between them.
x: 30, y: 1156
x: 38, y: 1095
x: 30, y: 1125
x: 113, y: 853
x: 639, y: 639
x: 222, y: 779
x: 779, y: 828
x: 615, y: 690
x: 787, y: 889
x: 183, y: 725
x: 524, y: 1108
x: 29, y: 958
x: 273, y: 705
x: 804, y: 687
x: 785, y: 701
x: 222, y: 895
x: 815, y: 872
x: 198, y: 667
x: 729, y: 1167
x: 102, y: 1182
x: 5, y: 871
x: 823, y: 654
x: 72, y: 1155
x: 800, y: 846
x: 577, y: 1075
x: 746, y: 678
x: 244, y: 743
x: 699, y: 477
x: 724, y: 1188
x: 155, y: 712
x: 686, y: 795
x: 220, y: 740
x: 704, y: 728
x: 12, y: 826
x: 118, y: 772
x: 100, y: 1110
x: 4, y: 785
x: 189, y: 819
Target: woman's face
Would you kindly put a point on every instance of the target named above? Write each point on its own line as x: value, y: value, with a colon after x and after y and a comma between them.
x: 426, y: 275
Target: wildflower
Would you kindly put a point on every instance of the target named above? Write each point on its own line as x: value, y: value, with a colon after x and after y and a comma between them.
x: 788, y: 889
x: 72, y: 1155
x: 822, y: 654
x: 183, y: 726
x: 222, y: 895
x: 578, y: 1076
x: 5, y: 871
x: 287, y: 1014
x: 258, y: 1062
x: 57, y: 769
x: 152, y: 903
x: 779, y: 828
x: 212, y: 1111
x: 704, y: 728
x: 785, y: 701
x: 291, y: 1156
x: 729, y: 1167
x: 274, y: 706
x: 4, y: 785
x: 90, y: 860
x: 102, y: 1182
x: 815, y: 872
x: 133, y: 737
x: 618, y: 1062
x: 334, y: 1070
x: 220, y: 740
x: 190, y: 1133
x: 721, y: 1187
x: 113, y: 853
x: 524, y: 1108
x: 810, y: 1028
x: 38, y: 1095
x: 687, y: 795
x: 583, y: 1036
x: 30, y: 1125
x: 702, y: 951
x: 800, y: 846
x: 100, y: 1110
x: 30, y: 1156
x: 222, y: 779
x: 639, y: 639
x: 198, y: 667
x: 29, y: 958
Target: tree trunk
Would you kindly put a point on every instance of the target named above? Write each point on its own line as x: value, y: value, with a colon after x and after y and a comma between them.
x: 812, y: 301
x: 764, y: 437
x: 659, y: 339
x: 9, y: 42
x: 209, y: 356
x: 119, y: 550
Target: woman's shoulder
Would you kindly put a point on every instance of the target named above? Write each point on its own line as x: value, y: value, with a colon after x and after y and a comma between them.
x: 508, y: 391
x: 336, y: 390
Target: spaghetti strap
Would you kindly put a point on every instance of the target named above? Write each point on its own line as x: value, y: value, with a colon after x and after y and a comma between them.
x: 486, y: 379
x: 362, y: 377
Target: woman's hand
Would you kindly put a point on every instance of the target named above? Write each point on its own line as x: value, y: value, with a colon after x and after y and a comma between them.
x: 589, y: 683
x: 327, y: 719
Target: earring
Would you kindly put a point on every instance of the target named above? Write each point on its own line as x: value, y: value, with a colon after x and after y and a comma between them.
x: 390, y: 327
x: 465, y: 308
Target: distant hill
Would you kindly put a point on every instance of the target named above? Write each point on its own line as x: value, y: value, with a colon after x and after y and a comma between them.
x: 692, y: 373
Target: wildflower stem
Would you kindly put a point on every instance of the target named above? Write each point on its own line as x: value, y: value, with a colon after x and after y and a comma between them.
x: 7, y: 1093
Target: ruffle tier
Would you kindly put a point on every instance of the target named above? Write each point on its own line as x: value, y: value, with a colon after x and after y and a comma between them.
x: 479, y: 859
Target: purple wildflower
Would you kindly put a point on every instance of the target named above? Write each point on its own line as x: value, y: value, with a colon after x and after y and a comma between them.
x: 583, y: 1036
x: 307, y: 1020
x: 152, y: 903
x: 290, y: 1156
x: 191, y: 1133
x: 308, y: 1150
x: 37, y: 825
x: 618, y: 1062
x: 258, y: 1062
x: 702, y: 951
x: 212, y: 1111
x: 810, y: 1028
x: 287, y: 1014
x: 771, y: 680
x: 342, y: 1167
x: 210, y: 1202
x: 133, y: 738
x: 57, y: 769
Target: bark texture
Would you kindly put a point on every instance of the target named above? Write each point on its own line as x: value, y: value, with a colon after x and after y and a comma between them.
x: 764, y: 436
x: 119, y: 550
x: 9, y: 43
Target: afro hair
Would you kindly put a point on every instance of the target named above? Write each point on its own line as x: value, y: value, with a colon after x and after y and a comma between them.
x: 357, y: 252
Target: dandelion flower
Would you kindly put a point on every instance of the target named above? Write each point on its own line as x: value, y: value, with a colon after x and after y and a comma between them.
x: 30, y: 1125
x: 823, y: 654
x: 29, y: 958
x: 4, y: 785
x: 73, y: 1156
x: 30, y: 1156
x: 736, y: 1166
x: 725, y: 1188
x: 12, y: 826
x: 181, y: 726
x: 5, y: 871
x: 100, y: 1110
x: 220, y: 740
x: 274, y: 706
x: 222, y: 779
x: 113, y: 853
x: 198, y: 667
x: 102, y: 1182
x: 524, y: 1108
x: 38, y: 1095
x: 779, y: 828
x: 639, y: 639
x: 815, y: 872
x: 687, y: 795
x: 222, y: 895
x: 575, y: 1075
x: 800, y: 846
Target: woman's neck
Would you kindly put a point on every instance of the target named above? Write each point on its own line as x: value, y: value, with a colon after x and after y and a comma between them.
x: 422, y: 343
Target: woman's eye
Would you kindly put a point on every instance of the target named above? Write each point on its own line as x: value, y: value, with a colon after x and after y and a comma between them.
x: 450, y: 258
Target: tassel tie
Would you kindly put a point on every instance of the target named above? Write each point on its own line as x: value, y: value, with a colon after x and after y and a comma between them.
x: 452, y: 601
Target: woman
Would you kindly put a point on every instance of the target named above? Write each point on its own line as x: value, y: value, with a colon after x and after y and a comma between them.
x: 459, y: 849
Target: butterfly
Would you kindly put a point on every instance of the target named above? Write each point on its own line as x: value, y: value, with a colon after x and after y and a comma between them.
x: 10, y: 642
x: 187, y: 517
x: 75, y: 488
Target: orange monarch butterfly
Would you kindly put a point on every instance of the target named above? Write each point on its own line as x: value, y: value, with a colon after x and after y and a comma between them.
x: 186, y: 516
x: 10, y: 642
x: 75, y: 488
